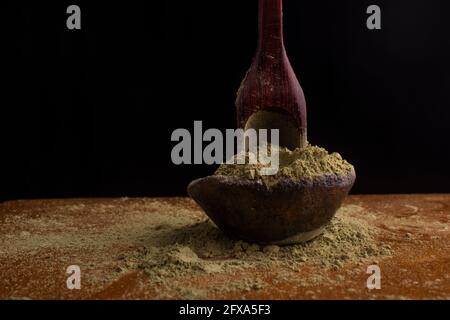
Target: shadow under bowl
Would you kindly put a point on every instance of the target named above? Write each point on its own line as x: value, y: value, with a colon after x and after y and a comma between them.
x: 288, y: 212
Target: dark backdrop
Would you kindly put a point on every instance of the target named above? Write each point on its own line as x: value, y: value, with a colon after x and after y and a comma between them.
x: 90, y: 112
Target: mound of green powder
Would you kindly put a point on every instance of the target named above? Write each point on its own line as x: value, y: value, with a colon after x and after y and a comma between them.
x: 299, y: 164
x: 183, y: 250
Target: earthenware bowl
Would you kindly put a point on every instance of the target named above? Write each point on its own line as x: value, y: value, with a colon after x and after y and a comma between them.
x: 290, y: 211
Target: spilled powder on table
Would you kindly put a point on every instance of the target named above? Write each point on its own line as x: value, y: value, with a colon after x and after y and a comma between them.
x: 201, y: 248
x: 184, y: 255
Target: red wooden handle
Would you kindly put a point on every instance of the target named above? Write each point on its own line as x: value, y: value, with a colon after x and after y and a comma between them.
x: 270, y: 83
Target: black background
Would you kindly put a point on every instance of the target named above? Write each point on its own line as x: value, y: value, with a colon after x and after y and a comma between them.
x: 90, y: 112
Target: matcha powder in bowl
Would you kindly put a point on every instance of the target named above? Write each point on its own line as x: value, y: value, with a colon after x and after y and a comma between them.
x: 299, y: 164
x: 291, y: 206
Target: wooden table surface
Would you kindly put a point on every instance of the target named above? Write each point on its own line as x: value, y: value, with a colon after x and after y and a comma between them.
x: 33, y: 267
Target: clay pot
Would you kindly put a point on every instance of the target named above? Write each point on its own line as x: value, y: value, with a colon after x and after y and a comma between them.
x: 291, y: 211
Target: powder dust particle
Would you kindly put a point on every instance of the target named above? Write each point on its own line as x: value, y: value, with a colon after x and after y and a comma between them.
x: 299, y: 164
x: 181, y: 251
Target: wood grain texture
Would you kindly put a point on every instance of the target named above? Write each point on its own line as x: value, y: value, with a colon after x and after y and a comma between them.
x: 415, y: 226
